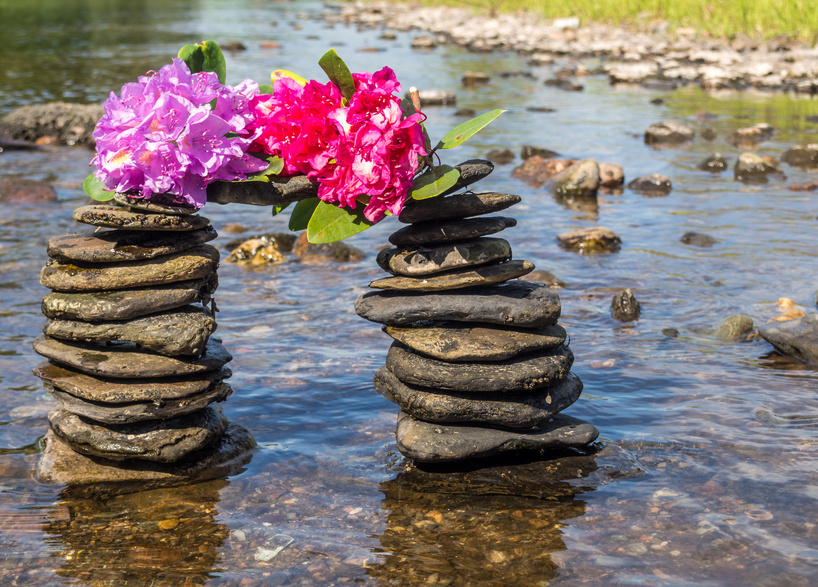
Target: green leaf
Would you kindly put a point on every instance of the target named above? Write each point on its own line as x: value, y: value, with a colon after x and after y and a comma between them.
x: 204, y: 56
x: 461, y: 132
x: 276, y: 165
x: 434, y: 182
x: 280, y: 73
x: 279, y: 209
x: 302, y: 212
x: 265, y: 89
x: 96, y: 189
x: 338, y: 73
x: 329, y: 223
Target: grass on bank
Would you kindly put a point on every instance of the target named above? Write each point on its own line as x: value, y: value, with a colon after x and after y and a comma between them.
x: 719, y: 18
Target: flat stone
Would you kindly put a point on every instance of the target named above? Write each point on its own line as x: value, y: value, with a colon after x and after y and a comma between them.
x: 124, y: 245
x: 456, y: 206
x: 458, y: 278
x: 183, y: 331
x: 427, y: 442
x: 118, y: 217
x: 428, y: 233
x: 158, y: 204
x: 517, y: 303
x: 130, y: 303
x: 163, y: 441
x: 453, y: 341
x: 125, y: 391
x: 520, y: 373
x: 61, y: 464
x: 796, y: 338
x: 182, y: 266
x: 422, y: 260
x: 124, y: 360
x: 515, y: 411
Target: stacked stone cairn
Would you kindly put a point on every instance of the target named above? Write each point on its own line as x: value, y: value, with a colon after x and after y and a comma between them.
x: 131, y: 361
x: 479, y: 365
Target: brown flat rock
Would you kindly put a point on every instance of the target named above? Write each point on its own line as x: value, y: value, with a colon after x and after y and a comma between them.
x: 128, y: 303
x: 164, y: 441
x: 124, y: 245
x: 453, y: 341
x: 183, y: 331
x: 118, y: 217
x: 522, y: 410
x: 182, y: 266
x: 427, y: 233
x: 124, y: 391
x: 428, y: 260
x: 458, y: 279
x: 158, y: 204
x: 520, y: 373
x: 456, y: 206
x: 124, y: 360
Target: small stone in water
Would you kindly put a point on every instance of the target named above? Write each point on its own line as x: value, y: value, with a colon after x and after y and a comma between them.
x: 668, y: 132
x: 715, y: 163
x: 698, y: 239
x: 653, y: 184
x: 624, y: 306
x: 734, y: 327
x: 596, y: 239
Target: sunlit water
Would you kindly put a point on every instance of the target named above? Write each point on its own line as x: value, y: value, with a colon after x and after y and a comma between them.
x: 705, y: 470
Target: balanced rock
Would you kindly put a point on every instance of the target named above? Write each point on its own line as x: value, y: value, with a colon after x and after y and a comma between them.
x: 458, y: 278
x: 421, y: 260
x: 127, y: 304
x: 165, y: 441
x: 183, y: 331
x: 517, y: 304
x: 124, y: 245
x: 182, y: 266
x: 456, y: 206
x: 449, y: 231
x: 454, y: 341
x: 521, y: 410
x: 520, y: 373
x: 796, y: 338
x: 117, y: 217
x: 158, y: 204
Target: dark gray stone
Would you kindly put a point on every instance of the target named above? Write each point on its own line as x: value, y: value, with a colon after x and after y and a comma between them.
x: 183, y: 331
x: 428, y: 233
x: 796, y: 338
x: 458, y: 278
x: 127, y: 304
x: 157, y: 204
x: 517, y: 303
x: 124, y: 245
x: 512, y: 411
x: 426, y: 442
x: 182, y: 266
x: 625, y: 307
x: 124, y: 360
x: 456, y: 206
x: 527, y: 151
x: 698, y: 239
x: 164, y: 441
x: 129, y: 413
x: 453, y: 341
x: 715, y: 163
x: 734, y: 327
x: 520, y: 373
x: 668, y: 132
x: 125, y: 391
x: 429, y: 260
x: 653, y: 184
x: 118, y: 217
x: 802, y: 155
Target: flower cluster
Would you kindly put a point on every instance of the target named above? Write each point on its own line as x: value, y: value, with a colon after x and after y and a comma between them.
x: 168, y: 134
x: 364, y: 151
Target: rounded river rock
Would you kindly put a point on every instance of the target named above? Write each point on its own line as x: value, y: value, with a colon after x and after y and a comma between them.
x: 449, y: 231
x: 458, y: 278
x: 427, y: 260
x: 456, y: 206
x: 117, y: 217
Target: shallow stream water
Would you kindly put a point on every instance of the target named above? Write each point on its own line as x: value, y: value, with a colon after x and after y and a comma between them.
x: 705, y: 470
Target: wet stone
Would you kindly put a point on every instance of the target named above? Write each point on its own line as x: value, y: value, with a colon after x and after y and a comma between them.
x: 125, y: 391
x: 653, y: 184
x: 124, y: 360
x: 596, y: 239
x: 668, y: 132
x: 182, y: 266
x: 129, y: 303
x: 698, y: 239
x: 164, y: 441
x: 434, y: 259
x: 581, y: 180
x: 513, y: 411
x: 520, y: 373
x: 124, y: 245
x: 184, y: 331
x: 456, y: 206
x: 517, y: 303
x: 117, y: 217
x: 426, y: 442
x: 734, y: 328
x: 715, y: 163
x: 751, y: 167
x: 127, y: 413
x: 458, y: 279
x: 453, y: 341
x: 625, y: 307
x: 802, y: 155
x: 449, y: 231
x: 796, y: 338
x: 158, y: 204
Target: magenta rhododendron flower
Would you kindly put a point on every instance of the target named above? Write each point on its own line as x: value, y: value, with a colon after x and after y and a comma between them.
x: 162, y: 136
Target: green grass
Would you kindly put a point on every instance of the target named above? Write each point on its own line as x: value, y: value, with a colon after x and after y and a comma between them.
x: 719, y: 18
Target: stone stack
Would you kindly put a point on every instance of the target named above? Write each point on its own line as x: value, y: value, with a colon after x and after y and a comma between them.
x: 479, y: 365
x: 131, y: 361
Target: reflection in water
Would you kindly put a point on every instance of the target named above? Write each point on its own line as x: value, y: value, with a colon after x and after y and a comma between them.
x: 159, y: 537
